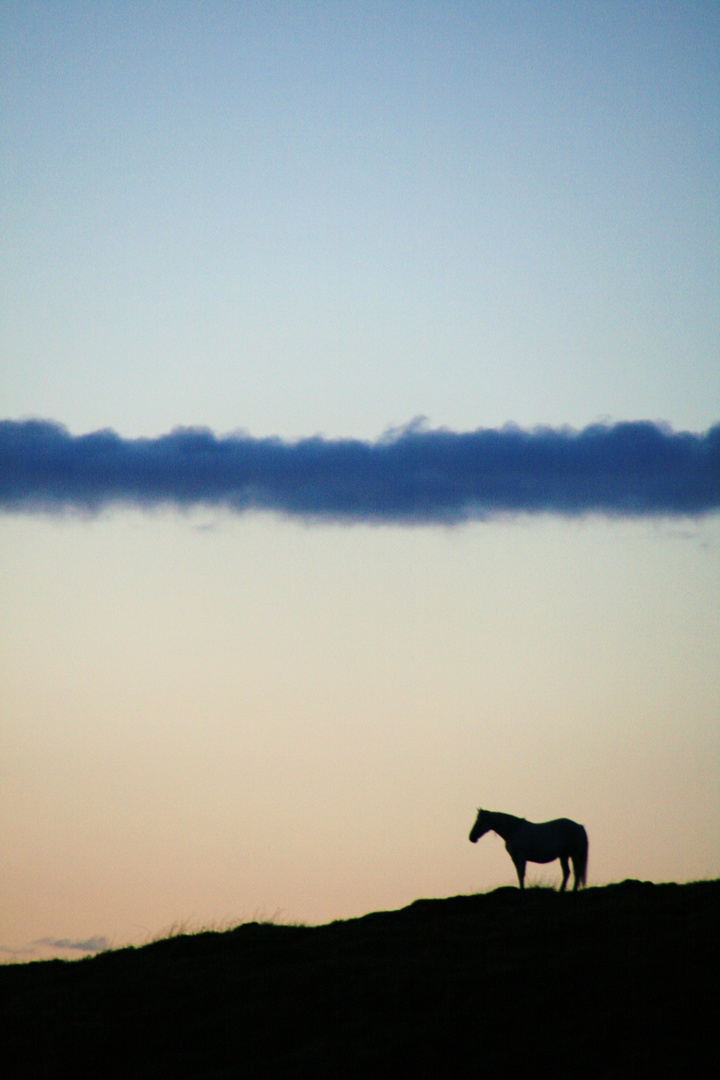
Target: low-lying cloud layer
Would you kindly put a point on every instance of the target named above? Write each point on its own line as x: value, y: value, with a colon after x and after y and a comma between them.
x: 93, y: 944
x: 45, y: 947
x: 412, y: 475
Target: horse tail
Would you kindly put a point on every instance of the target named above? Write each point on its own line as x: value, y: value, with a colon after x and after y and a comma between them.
x: 582, y: 857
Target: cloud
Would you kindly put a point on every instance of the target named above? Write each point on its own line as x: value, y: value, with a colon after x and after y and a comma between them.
x: 411, y: 475
x: 92, y: 944
x: 46, y: 947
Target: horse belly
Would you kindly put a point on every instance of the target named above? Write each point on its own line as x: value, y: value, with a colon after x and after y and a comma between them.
x: 542, y: 846
x: 543, y: 857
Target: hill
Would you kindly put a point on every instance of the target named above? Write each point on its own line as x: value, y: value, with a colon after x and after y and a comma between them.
x: 619, y: 981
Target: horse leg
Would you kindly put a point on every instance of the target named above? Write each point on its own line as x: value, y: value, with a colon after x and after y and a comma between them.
x: 520, y: 867
x: 576, y: 883
x: 564, y: 862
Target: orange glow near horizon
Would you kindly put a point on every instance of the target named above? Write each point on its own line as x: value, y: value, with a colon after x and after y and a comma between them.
x: 255, y: 719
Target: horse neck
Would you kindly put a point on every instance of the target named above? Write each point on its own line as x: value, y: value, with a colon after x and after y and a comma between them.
x: 503, y: 824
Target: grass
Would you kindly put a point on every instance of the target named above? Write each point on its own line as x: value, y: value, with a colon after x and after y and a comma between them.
x: 611, y: 982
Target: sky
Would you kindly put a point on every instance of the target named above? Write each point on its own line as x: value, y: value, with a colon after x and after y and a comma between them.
x: 359, y: 454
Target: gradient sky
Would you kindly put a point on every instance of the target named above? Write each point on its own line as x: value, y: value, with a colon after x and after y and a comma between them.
x: 290, y: 219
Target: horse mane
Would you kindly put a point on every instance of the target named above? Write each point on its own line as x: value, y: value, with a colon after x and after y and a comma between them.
x: 509, y: 818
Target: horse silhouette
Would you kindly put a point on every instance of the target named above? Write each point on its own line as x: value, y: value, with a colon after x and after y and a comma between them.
x: 527, y: 842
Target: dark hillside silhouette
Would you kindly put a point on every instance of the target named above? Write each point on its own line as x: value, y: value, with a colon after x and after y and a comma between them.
x: 612, y: 982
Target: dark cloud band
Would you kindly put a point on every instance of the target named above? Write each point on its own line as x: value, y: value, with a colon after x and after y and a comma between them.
x: 411, y: 475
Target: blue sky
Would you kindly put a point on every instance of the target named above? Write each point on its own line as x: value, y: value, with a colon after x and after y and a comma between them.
x: 290, y: 219
x: 296, y: 218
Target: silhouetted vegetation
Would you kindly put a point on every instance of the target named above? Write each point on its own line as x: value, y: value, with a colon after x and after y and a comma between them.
x: 612, y: 982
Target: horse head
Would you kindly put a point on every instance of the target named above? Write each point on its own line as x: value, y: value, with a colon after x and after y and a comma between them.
x: 480, y: 827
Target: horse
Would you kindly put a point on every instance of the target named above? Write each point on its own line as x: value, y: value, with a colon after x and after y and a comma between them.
x: 527, y: 842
